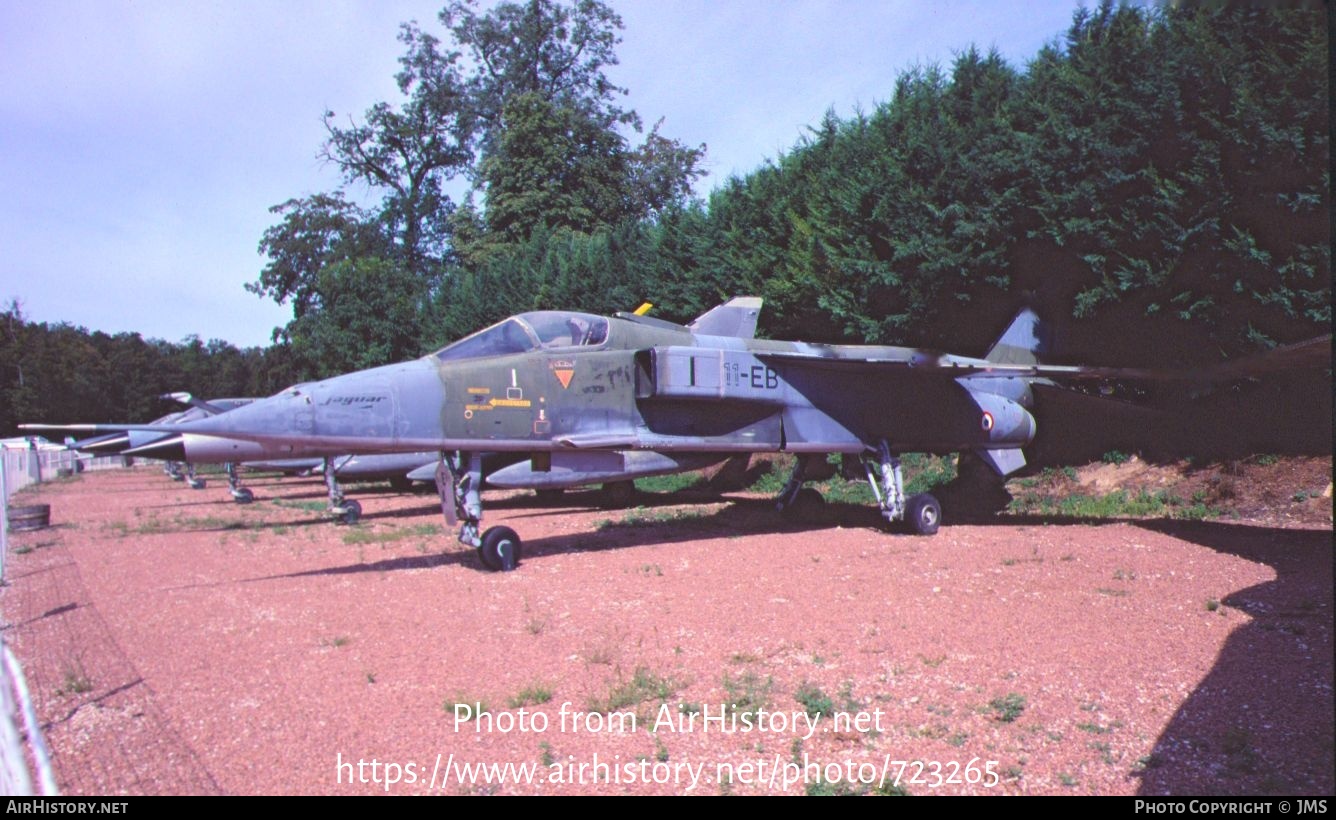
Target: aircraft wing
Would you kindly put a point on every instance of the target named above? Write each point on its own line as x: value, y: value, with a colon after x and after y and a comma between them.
x: 104, y: 428
x: 1311, y: 354
x: 952, y: 367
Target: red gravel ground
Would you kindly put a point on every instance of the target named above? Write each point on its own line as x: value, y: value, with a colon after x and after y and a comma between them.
x: 178, y: 643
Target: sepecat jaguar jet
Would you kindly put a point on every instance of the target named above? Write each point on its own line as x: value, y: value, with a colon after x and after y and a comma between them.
x: 578, y: 398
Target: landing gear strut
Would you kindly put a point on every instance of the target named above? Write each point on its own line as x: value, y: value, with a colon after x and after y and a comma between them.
x: 922, y: 512
x: 240, y: 494
x: 459, y: 481
x: 796, y: 501
x: 346, y: 511
x: 194, y: 481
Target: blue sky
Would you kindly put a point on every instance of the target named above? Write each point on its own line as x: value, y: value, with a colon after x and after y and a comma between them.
x: 142, y: 143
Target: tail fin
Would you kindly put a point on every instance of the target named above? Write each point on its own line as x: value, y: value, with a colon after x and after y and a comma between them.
x: 736, y: 317
x: 1025, y: 341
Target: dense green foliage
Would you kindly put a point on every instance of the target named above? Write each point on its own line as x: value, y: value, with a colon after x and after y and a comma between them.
x: 63, y: 374
x: 1155, y: 182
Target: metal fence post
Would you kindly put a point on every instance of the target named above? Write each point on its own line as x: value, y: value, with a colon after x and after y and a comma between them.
x: 4, y: 514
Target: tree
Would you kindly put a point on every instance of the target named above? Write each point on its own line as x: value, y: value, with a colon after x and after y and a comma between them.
x: 552, y: 151
x: 316, y: 231
x: 410, y: 151
x: 371, y: 313
x: 542, y: 48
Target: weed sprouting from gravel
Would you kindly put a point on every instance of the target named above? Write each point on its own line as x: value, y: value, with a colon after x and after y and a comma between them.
x: 747, y: 693
x: 1007, y: 708
x: 643, y: 685
x: 814, y: 700
x: 531, y: 695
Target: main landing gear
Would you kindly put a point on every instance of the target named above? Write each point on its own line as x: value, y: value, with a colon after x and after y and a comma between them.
x: 173, y: 471
x: 240, y: 494
x: 921, y: 512
x: 459, y: 481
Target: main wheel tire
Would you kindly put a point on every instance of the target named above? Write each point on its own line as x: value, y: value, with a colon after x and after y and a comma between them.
x: 618, y: 495
x: 500, y: 549
x: 351, y: 512
x: 923, y: 514
x: 243, y: 496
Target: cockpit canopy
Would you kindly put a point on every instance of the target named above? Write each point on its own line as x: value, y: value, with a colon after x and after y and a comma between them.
x: 539, y: 330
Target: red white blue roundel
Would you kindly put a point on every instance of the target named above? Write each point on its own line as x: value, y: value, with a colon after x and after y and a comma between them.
x: 987, y: 421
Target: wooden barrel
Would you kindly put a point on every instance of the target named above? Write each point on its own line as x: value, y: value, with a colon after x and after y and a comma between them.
x: 34, y: 517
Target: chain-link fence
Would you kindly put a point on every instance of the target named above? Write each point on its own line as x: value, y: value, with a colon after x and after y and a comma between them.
x: 19, y: 468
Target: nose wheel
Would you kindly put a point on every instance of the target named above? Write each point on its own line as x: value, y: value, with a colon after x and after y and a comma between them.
x: 458, y: 480
x: 345, y: 510
x: 500, y: 549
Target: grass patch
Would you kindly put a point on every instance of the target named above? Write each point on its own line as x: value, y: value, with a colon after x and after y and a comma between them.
x: 74, y: 681
x: 925, y: 472
x: 643, y: 517
x: 668, y: 484
x: 1007, y: 708
x: 814, y: 700
x: 747, y: 693
x: 308, y: 506
x: 212, y: 522
x: 359, y: 534
x: 1117, y: 504
x: 531, y: 695
x: 821, y: 787
x: 643, y: 685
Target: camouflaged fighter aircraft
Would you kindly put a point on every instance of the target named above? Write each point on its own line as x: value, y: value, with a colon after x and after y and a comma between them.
x: 581, y: 398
